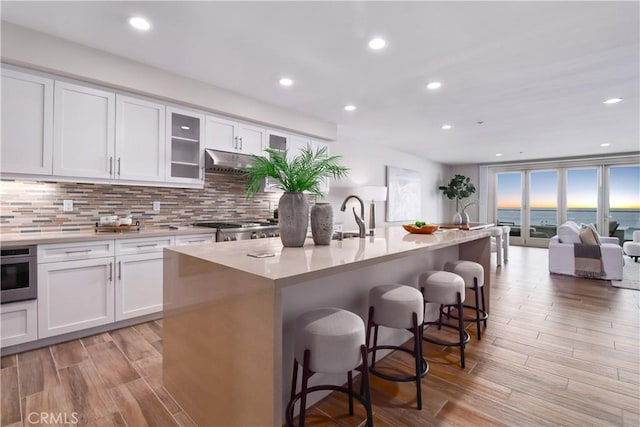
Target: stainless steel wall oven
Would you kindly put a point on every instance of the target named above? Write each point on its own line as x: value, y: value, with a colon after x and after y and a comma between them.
x: 19, y: 274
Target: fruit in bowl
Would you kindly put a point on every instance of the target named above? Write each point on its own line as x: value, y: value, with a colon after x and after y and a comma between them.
x: 420, y: 227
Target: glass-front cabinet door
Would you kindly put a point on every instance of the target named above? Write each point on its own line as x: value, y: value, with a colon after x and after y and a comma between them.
x: 185, y: 131
x: 279, y: 142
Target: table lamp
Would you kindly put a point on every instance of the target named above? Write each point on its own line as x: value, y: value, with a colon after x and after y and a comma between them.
x: 373, y: 193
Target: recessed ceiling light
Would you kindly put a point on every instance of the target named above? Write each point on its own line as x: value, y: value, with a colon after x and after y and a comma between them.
x: 350, y: 107
x: 434, y: 85
x: 498, y: 154
x: 606, y: 144
x: 446, y: 127
x: 377, y: 43
x: 139, y: 23
x: 185, y: 127
x: 285, y: 81
x: 613, y: 100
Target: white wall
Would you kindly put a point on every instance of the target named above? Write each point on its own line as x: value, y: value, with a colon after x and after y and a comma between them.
x: 32, y: 49
x: 367, y: 165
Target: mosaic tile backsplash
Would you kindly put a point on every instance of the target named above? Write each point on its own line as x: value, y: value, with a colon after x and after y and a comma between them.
x: 36, y: 206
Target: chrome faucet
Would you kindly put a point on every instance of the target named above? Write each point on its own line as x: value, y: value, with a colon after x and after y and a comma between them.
x: 359, y: 219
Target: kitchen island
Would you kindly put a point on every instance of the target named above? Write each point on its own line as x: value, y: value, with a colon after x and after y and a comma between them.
x: 229, y: 317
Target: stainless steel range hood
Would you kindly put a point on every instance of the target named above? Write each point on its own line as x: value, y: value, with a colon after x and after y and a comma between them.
x: 222, y: 161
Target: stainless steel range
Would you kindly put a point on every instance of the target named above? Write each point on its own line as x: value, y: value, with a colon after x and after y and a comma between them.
x: 230, y: 231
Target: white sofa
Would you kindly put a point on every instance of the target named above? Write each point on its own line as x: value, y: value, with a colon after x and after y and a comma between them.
x: 562, y: 261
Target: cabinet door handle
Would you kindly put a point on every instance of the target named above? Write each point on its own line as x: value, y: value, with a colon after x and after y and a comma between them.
x: 119, y: 270
x: 151, y: 245
x: 235, y: 142
x: 84, y: 251
x: 111, y: 272
x: 241, y: 143
x: 118, y: 166
x: 196, y: 241
x: 110, y: 165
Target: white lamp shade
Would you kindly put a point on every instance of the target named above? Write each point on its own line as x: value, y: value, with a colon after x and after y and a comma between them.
x: 376, y: 193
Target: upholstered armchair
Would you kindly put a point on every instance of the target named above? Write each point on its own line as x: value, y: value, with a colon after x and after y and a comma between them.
x: 562, y: 259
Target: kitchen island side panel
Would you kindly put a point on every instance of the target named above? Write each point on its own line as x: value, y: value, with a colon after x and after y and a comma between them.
x: 220, y: 347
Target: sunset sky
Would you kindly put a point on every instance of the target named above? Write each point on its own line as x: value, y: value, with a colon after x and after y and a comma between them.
x: 582, y: 189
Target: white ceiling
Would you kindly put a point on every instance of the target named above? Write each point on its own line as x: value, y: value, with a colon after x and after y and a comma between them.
x: 536, y: 73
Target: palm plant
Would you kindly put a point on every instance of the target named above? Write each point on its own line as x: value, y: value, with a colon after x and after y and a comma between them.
x: 304, y: 172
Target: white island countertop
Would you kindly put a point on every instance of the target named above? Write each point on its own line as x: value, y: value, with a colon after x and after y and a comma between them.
x: 289, y: 265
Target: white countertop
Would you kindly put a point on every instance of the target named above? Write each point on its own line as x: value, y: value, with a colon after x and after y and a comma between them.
x: 313, y: 261
x: 41, y: 238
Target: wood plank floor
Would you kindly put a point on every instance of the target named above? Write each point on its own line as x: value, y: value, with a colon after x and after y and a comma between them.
x: 557, y: 351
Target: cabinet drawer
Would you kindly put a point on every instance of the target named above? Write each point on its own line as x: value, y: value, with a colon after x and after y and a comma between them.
x: 18, y: 322
x: 75, y: 251
x: 142, y: 246
x: 195, y: 238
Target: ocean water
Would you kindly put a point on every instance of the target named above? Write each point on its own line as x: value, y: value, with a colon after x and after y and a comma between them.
x: 628, y: 219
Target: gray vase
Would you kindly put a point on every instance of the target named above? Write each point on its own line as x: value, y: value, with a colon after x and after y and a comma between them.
x: 293, y: 218
x: 322, y: 223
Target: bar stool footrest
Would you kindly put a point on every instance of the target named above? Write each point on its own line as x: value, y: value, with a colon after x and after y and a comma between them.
x: 424, y: 365
x: 483, y: 313
x: 467, y: 338
x: 292, y: 403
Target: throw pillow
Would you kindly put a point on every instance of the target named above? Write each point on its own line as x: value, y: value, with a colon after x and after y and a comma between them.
x: 594, y: 230
x: 588, y: 237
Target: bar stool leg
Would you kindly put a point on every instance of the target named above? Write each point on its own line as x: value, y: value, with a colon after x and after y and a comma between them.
x: 305, y: 381
x: 365, y: 386
x: 475, y: 291
x: 417, y: 354
x: 350, y: 387
x: 461, y: 330
x: 484, y: 307
x: 375, y: 345
x: 294, y: 383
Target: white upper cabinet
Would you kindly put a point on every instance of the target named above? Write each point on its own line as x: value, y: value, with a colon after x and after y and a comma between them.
x: 185, y: 135
x: 222, y: 134
x: 83, y: 132
x: 27, y: 123
x: 231, y: 136
x: 140, y: 140
x: 296, y: 144
x: 252, y: 139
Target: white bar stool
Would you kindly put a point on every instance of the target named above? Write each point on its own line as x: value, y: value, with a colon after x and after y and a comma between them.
x: 506, y: 233
x: 329, y: 340
x: 473, y: 275
x: 398, y: 307
x: 496, y: 243
x: 445, y: 288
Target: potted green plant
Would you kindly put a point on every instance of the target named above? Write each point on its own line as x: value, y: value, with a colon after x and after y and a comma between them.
x: 294, y: 176
x: 460, y: 187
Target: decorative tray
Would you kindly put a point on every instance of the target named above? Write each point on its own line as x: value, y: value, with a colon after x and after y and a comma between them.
x: 118, y: 228
x: 425, y: 229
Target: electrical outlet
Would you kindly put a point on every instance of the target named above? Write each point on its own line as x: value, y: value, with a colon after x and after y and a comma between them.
x: 156, y: 206
x: 67, y: 205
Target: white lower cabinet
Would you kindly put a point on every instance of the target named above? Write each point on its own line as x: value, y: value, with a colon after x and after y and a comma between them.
x: 88, y: 284
x: 138, y: 285
x: 18, y: 322
x: 75, y: 295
